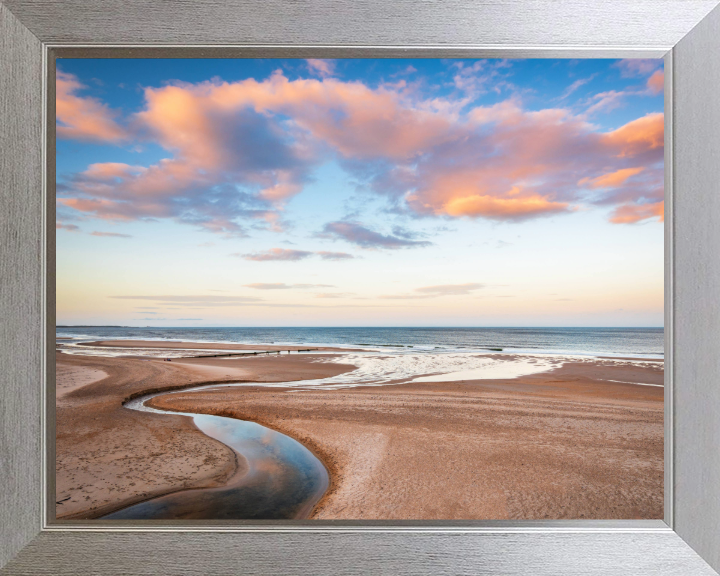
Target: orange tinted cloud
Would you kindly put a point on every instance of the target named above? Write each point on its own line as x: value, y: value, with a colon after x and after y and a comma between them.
x: 638, y: 136
x: 110, y: 170
x: 242, y: 149
x: 502, y: 208
x: 228, y: 135
x: 656, y: 82
x: 522, y: 167
x: 633, y: 213
x: 357, y: 120
x: 105, y: 209
x: 613, y: 179
x: 179, y: 120
x: 69, y: 227
x: 83, y: 118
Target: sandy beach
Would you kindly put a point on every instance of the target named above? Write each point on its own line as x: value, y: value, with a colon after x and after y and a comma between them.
x: 577, y: 441
x: 109, y: 457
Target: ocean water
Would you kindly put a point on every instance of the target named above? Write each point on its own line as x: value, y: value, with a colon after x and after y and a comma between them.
x: 630, y: 342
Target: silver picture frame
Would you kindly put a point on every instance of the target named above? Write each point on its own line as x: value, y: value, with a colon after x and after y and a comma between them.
x: 685, y: 32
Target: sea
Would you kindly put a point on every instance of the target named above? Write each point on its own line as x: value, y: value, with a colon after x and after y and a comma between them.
x: 391, y: 355
x: 629, y: 342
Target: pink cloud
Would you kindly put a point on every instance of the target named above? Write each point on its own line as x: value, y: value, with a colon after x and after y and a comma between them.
x: 613, y: 179
x: 68, y: 227
x: 105, y: 209
x: 83, y: 118
x: 522, y: 165
x: 656, y: 82
x: 503, y: 208
x: 110, y: 235
x: 322, y: 68
x: 228, y: 136
x: 111, y: 170
x: 281, y: 254
x: 238, y: 151
x: 358, y: 121
x: 631, y: 67
x: 638, y: 137
x: 633, y: 213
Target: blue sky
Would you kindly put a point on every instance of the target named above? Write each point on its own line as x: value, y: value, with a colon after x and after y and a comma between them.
x: 359, y: 192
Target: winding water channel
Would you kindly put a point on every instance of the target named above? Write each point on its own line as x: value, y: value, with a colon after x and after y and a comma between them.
x: 284, y: 480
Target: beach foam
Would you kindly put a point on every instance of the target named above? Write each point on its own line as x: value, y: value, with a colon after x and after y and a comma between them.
x: 374, y: 369
x: 380, y: 367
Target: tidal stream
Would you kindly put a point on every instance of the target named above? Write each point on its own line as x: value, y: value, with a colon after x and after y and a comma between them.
x: 284, y: 480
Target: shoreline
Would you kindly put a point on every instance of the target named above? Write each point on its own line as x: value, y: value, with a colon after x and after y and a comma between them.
x: 347, y: 430
x: 181, y: 345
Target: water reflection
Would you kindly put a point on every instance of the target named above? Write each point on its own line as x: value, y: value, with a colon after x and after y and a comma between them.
x: 284, y: 480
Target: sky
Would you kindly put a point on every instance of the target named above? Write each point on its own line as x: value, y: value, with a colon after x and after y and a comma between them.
x: 359, y: 192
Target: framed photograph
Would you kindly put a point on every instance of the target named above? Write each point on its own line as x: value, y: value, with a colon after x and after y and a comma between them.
x: 372, y: 290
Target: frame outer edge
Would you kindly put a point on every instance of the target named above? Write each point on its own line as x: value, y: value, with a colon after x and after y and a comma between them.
x: 21, y: 280
x: 20, y: 298
x: 659, y: 23
x: 696, y: 175
x: 540, y: 554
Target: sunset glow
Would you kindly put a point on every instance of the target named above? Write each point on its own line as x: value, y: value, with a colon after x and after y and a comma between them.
x: 360, y: 192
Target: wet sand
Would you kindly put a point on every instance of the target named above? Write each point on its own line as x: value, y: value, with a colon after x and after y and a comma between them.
x: 553, y: 445
x: 109, y: 457
x: 560, y: 444
x: 71, y: 377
